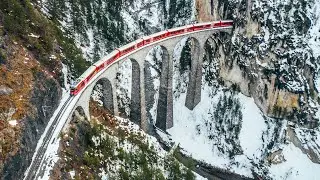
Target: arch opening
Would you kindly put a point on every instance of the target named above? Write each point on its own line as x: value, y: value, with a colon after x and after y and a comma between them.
x: 187, y: 71
x: 78, y: 115
x: 158, y: 88
x: 102, y: 93
x: 128, y: 90
x: 210, y: 65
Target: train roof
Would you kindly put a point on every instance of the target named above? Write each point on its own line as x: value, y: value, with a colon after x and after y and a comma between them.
x: 105, y: 58
x: 204, y: 23
x: 188, y: 26
x: 225, y: 21
x: 127, y: 46
x: 175, y: 29
x: 158, y: 33
x: 139, y: 40
x: 101, y: 61
x: 146, y: 37
x: 87, y: 72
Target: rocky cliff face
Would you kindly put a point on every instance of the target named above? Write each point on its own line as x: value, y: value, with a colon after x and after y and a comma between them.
x: 32, y: 49
x: 273, y: 57
x: 46, y: 94
x: 269, y: 56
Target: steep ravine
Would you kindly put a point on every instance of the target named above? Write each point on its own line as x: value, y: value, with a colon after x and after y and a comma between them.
x: 271, y: 58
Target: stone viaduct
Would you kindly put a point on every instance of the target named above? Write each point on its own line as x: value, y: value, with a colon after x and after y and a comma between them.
x: 164, y: 119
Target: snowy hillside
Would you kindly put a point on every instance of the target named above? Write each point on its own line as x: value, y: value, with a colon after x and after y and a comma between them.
x: 259, y: 111
x: 230, y: 130
x: 99, y: 27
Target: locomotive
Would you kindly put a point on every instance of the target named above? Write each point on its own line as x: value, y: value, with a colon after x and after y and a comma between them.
x: 105, y: 62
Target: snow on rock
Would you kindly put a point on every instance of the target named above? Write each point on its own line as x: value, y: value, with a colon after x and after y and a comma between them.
x: 124, y: 85
x: 72, y: 174
x: 296, y: 166
x: 33, y: 35
x: 66, y: 76
x: 13, y: 122
x: 97, y: 94
x: 190, y: 132
x: 314, y: 36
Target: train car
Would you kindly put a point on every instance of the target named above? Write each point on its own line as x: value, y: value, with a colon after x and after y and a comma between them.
x: 139, y: 43
x: 100, y: 64
x: 216, y: 24
x: 202, y: 26
x: 176, y: 31
x: 147, y: 40
x: 189, y: 28
x: 226, y: 23
x: 81, y: 82
x: 127, y: 48
x: 158, y: 36
x: 111, y: 57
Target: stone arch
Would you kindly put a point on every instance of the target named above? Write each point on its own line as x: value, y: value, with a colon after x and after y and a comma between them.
x: 104, y: 86
x: 158, y: 87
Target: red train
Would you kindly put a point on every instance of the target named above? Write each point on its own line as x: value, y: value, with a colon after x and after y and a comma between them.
x: 83, y: 80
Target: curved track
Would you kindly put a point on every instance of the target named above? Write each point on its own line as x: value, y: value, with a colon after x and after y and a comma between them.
x: 33, y: 169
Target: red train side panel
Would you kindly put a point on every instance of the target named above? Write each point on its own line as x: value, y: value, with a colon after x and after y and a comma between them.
x: 228, y: 23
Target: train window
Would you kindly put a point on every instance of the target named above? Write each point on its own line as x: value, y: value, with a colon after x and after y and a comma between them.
x: 140, y: 44
x: 90, y: 75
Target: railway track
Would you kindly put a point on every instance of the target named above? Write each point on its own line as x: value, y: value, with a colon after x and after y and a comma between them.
x: 35, y: 165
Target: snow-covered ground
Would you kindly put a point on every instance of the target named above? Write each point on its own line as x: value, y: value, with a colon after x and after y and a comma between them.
x: 200, y: 147
x: 254, y: 126
x: 185, y: 132
x: 200, y: 134
x: 296, y: 167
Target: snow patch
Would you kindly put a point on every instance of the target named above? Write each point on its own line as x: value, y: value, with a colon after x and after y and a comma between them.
x: 13, y: 122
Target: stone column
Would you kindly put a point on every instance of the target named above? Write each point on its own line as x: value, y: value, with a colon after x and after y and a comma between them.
x: 169, y: 120
x: 195, y: 77
x: 135, y: 104
x: 165, y: 101
x: 114, y: 96
x: 144, y: 121
x: 107, y: 91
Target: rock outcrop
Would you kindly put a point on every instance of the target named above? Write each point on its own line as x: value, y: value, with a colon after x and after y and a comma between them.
x: 269, y: 58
